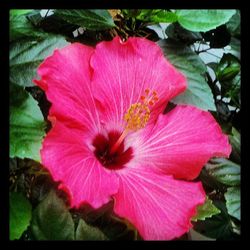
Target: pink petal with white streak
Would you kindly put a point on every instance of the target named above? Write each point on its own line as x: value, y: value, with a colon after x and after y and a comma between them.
x: 124, y: 70
x: 182, y: 141
x: 157, y: 205
x: 68, y: 157
x: 65, y: 78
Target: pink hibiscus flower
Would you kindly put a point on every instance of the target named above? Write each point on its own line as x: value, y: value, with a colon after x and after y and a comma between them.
x: 110, y: 139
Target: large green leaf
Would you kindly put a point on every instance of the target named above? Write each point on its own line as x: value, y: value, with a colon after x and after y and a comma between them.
x: 189, y: 63
x: 224, y: 171
x: 176, y: 32
x: 232, y: 197
x: 87, y: 232
x: 203, y: 20
x: 90, y: 19
x: 51, y: 220
x: 173, y: 49
x: 21, y: 27
x: 103, y: 219
x: 207, y: 210
x: 17, y: 95
x: 20, y: 215
x: 218, y: 226
x: 26, y: 125
x: 26, y: 56
x: 234, y: 24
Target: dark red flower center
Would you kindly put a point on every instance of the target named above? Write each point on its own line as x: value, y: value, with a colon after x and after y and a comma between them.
x: 114, y: 160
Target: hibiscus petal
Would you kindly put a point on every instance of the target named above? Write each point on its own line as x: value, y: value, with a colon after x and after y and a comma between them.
x: 182, y: 141
x: 69, y: 158
x: 65, y: 77
x: 157, y: 205
x: 124, y: 70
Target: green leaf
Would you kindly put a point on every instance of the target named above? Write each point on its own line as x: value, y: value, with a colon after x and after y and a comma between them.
x: 111, y: 226
x: 232, y: 197
x: 26, y: 126
x: 20, y: 215
x: 51, y: 220
x: 177, y: 32
x: 25, y: 57
x: 228, y: 68
x: 90, y: 19
x: 21, y: 27
x: 234, y: 139
x: 218, y: 226
x: 18, y: 12
x: 224, y: 171
x: 164, y: 16
x: 198, y: 93
x: 17, y: 95
x: 207, y: 210
x: 156, y: 16
x: 234, y: 24
x: 235, y: 47
x: 229, y: 75
x: 203, y: 20
x: 87, y: 232
x: 213, y: 66
x: 175, y: 51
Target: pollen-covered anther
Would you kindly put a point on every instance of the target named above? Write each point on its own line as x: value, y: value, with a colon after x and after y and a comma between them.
x: 142, y: 98
x: 147, y: 91
x: 149, y: 99
x: 138, y: 114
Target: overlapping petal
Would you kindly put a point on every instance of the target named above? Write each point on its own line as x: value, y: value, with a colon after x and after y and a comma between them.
x: 157, y: 205
x: 181, y: 142
x: 66, y: 79
x: 122, y: 71
x: 68, y: 156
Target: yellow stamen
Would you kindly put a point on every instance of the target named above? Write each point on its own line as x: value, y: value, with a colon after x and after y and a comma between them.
x: 137, y: 116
